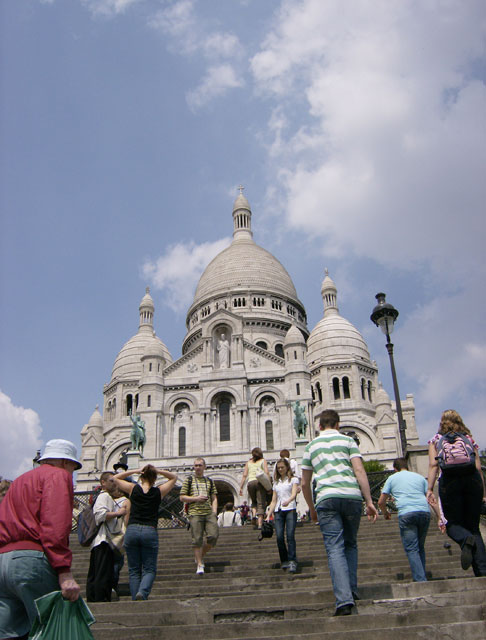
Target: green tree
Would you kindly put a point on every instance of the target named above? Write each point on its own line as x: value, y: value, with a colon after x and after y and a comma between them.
x: 372, y: 466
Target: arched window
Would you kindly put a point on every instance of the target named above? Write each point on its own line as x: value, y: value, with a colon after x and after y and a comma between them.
x: 297, y: 388
x: 149, y: 400
x: 279, y: 350
x: 370, y: 390
x: 261, y: 344
x: 269, y: 434
x: 182, y: 441
x: 319, y: 391
x: 224, y: 420
x: 312, y: 392
x: 363, y: 388
x: 136, y: 401
x: 129, y: 402
x: 150, y: 366
x: 346, y: 387
x: 335, y: 388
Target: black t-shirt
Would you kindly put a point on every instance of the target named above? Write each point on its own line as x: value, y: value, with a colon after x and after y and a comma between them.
x: 145, y: 506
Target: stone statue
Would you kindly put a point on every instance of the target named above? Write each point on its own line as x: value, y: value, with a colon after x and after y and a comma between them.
x: 223, y: 352
x: 300, y: 420
x: 137, y: 434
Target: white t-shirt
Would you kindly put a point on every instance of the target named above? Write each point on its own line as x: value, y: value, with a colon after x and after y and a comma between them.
x: 283, y: 489
x: 229, y: 519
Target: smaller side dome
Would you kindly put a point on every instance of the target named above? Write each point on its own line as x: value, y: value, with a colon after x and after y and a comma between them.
x: 154, y: 349
x: 96, y: 419
x: 294, y: 336
x: 95, y: 422
x: 381, y: 396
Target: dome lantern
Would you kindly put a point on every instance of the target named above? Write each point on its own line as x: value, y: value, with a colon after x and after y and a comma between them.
x: 241, y: 218
x: 146, y: 310
x: 329, y: 295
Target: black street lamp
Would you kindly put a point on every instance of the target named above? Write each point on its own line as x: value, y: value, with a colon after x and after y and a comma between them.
x: 384, y: 316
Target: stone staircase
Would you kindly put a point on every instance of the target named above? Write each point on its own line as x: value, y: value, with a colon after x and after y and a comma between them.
x: 244, y: 593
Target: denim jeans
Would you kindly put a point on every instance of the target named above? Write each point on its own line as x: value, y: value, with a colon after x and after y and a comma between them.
x: 142, y: 546
x: 339, y: 520
x: 413, y: 531
x: 285, y: 521
x: 24, y: 576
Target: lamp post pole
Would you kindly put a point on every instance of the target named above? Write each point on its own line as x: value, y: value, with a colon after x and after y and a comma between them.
x: 384, y: 316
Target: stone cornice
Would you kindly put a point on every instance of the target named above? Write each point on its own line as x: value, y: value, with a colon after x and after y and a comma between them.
x: 183, y: 359
x: 268, y: 380
x: 264, y: 353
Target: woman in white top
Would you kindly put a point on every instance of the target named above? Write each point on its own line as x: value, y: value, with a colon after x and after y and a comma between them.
x: 283, y: 505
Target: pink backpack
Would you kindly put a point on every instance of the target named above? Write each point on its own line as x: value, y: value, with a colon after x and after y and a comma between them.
x: 455, y: 453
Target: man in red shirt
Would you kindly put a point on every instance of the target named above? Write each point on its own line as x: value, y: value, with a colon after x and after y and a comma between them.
x: 35, y: 523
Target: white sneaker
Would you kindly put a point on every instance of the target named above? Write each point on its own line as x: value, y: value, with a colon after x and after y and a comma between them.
x: 200, y: 570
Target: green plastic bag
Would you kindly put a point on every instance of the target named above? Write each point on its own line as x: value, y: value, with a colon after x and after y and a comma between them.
x: 59, y: 619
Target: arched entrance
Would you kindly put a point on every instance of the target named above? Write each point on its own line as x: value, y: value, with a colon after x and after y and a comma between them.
x: 225, y: 494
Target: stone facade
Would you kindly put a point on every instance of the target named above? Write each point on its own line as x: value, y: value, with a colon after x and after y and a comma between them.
x: 246, y: 359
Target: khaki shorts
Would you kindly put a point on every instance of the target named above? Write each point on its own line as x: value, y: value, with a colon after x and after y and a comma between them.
x: 204, y: 525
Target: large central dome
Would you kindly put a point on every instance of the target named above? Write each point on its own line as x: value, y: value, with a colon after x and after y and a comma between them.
x: 247, y: 280
x: 243, y: 266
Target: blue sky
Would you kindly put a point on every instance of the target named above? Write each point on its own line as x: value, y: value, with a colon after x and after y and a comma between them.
x: 357, y: 129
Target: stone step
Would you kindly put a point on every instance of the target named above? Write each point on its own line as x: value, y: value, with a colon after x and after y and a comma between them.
x: 315, y: 600
x: 277, y: 622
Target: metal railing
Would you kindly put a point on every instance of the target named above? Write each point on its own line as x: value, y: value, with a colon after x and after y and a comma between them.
x: 171, y: 511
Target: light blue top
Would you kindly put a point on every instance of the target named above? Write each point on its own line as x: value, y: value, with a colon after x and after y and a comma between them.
x: 408, y: 489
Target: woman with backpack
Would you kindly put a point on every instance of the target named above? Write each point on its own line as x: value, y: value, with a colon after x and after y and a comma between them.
x: 141, y: 537
x: 453, y: 453
x: 283, y: 505
x: 256, y: 465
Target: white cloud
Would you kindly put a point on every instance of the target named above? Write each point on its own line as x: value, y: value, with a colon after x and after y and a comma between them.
x: 188, y: 36
x: 393, y: 113
x: 108, y: 8
x: 179, y: 269
x: 378, y: 143
x: 178, y: 21
x: 20, y: 438
x: 217, y: 81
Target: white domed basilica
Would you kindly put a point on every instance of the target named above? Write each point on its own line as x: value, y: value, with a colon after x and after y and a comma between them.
x: 247, y: 358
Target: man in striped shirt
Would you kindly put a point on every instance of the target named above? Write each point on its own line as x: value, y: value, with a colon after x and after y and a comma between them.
x: 341, y: 486
x: 200, y: 494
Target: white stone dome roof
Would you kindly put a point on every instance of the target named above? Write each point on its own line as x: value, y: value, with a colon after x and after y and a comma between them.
x: 128, y: 363
x: 381, y: 396
x: 294, y: 336
x: 333, y: 338
x: 244, y: 266
x: 155, y: 349
x: 147, y: 300
x: 96, y: 419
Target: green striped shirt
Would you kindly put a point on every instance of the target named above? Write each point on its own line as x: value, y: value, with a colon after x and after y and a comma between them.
x: 329, y: 457
x: 198, y: 487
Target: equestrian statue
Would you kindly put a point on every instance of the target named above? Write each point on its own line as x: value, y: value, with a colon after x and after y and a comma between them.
x: 300, y: 420
x: 137, y: 434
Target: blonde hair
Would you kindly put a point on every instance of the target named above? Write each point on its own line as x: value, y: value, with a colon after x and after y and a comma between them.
x: 452, y: 421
